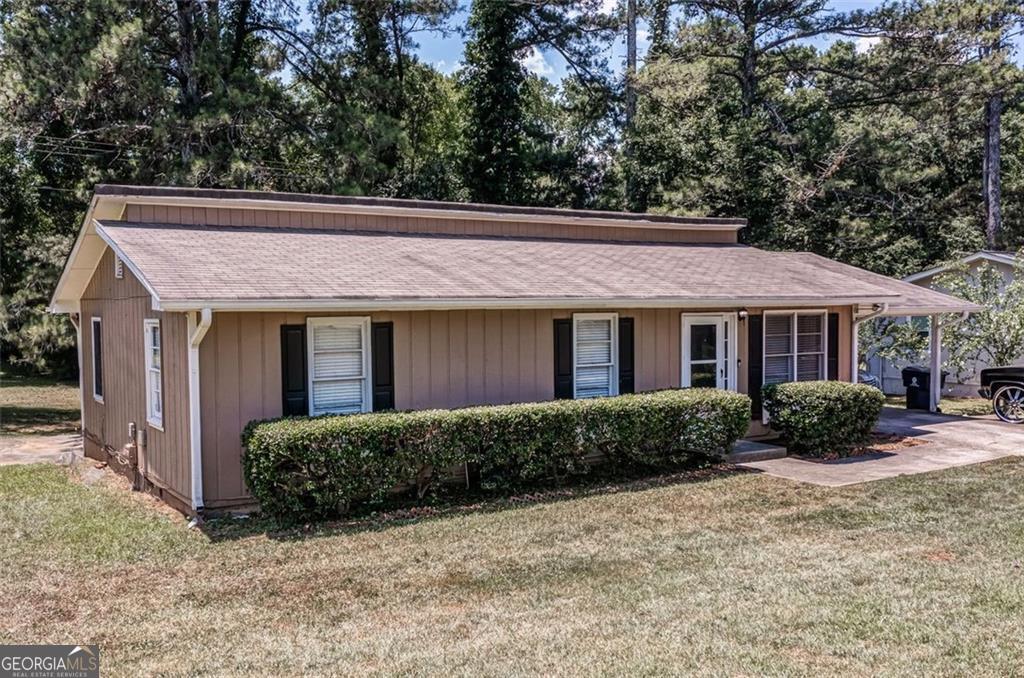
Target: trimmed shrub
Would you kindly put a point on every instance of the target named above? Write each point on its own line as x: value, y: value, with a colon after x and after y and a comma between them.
x: 820, y: 418
x: 319, y: 466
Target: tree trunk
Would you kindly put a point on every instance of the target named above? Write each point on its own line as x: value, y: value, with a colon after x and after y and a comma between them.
x: 991, y: 170
x: 630, y: 93
x: 748, y: 65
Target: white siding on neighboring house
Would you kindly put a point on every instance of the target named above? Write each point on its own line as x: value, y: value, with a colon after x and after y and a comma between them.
x: 889, y: 372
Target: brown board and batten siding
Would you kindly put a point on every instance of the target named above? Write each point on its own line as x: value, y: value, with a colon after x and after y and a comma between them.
x: 123, y: 305
x: 441, y: 359
x: 224, y: 216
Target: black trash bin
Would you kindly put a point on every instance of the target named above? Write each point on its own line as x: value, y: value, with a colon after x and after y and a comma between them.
x: 918, y: 381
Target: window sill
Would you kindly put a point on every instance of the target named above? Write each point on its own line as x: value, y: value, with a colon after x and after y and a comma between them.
x: 97, y: 398
x: 158, y: 425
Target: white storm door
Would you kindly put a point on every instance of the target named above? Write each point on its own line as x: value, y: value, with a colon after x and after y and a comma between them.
x: 708, y: 351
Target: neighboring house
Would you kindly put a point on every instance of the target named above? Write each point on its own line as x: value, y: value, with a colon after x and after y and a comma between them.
x: 199, y: 311
x: 967, y: 383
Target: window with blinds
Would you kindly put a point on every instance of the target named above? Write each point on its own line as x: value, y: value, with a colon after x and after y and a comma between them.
x: 794, y: 347
x: 339, y: 365
x: 595, y: 355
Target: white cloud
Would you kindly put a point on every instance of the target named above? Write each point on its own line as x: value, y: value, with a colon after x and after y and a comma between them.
x: 537, y: 64
x: 866, y: 43
x: 609, y: 6
x: 447, y: 68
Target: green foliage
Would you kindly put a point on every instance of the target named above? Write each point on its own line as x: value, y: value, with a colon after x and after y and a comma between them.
x: 820, y: 418
x: 995, y: 335
x: 319, y: 466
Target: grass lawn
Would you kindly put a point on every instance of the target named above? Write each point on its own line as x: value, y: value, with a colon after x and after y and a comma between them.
x: 33, y: 405
x: 735, y: 574
x: 955, y: 405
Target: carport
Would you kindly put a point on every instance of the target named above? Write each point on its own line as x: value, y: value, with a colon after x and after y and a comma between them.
x: 941, y: 313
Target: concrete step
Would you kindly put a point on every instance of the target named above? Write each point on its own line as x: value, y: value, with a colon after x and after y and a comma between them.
x: 751, y: 450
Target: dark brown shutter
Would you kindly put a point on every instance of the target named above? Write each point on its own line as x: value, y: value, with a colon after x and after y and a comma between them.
x: 563, y: 358
x: 383, y: 354
x: 627, y: 382
x: 293, y: 370
x: 833, y: 347
x: 755, y: 363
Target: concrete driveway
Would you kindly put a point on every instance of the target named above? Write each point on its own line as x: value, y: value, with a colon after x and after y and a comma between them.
x: 950, y: 441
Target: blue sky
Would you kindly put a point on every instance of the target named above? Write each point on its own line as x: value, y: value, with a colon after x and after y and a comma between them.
x: 445, y: 53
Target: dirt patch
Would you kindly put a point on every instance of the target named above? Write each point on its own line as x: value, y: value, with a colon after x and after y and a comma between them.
x: 881, y: 445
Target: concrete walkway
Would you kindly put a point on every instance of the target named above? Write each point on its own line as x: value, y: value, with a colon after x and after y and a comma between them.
x: 58, y: 449
x: 949, y: 441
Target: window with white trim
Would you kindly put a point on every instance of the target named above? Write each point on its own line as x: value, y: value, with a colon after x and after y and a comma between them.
x: 595, y: 354
x: 97, y: 359
x: 794, y: 346
x: 154, y: 374
x: 339, y: 365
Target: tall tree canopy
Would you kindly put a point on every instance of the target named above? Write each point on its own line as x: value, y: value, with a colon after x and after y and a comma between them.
x: 890, y: 139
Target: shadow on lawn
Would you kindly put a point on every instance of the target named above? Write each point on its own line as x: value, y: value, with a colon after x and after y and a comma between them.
x: 397, y: 512
x: 18, y: 420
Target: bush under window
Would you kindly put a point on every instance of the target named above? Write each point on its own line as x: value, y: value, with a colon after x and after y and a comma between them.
x: 820, y: 418
x: 319, y: 466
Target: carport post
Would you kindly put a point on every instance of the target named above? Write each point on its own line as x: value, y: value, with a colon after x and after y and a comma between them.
x: 935, y: 348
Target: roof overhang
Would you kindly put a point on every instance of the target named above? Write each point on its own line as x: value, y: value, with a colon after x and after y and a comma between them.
x: 483, y: 303
x: 85, y: 255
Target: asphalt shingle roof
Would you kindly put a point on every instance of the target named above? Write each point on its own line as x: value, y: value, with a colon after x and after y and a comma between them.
x: 234, y: 263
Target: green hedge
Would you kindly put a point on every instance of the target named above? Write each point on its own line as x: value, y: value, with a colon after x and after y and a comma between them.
x: 820, y: 418
x: 318, y: 466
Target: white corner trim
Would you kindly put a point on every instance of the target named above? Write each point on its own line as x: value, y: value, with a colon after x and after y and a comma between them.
x: 197, y: 330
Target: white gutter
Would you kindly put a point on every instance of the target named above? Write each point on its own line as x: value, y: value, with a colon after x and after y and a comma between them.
x: 443, y: 304
x: 196, y: 331
x: 879, y: 309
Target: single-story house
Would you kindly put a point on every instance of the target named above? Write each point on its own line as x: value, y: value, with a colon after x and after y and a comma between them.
x: 201, y: 310
x: 967, y: 383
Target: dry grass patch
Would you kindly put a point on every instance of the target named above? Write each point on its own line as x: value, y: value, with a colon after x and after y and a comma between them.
x: 37, y: 406
x: 739, y: 574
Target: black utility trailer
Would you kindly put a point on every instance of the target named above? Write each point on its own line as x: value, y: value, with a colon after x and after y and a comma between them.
x: 1005, y: 386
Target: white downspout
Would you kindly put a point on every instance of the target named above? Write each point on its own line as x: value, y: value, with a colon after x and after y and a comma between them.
x: 935, y: 394
x: 878, y: 309
x: 196, y: 331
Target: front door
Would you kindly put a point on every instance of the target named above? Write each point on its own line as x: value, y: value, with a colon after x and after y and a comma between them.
x: 709, y: 351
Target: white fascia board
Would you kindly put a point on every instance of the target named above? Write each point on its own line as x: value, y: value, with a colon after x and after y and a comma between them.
x: 84, y: 256
x: 429, y: 213
x: 503, y: 303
